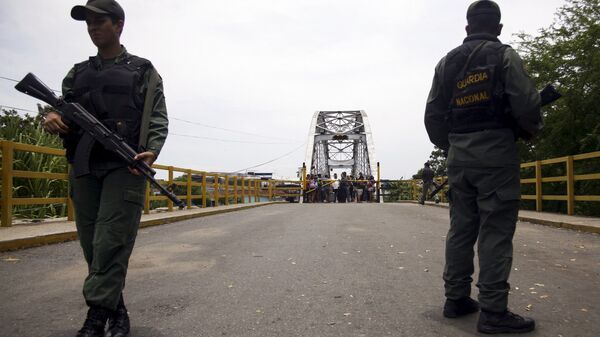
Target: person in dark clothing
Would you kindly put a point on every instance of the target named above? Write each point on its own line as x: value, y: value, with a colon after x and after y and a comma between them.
x: 481, y: 98
x: 427, y: 177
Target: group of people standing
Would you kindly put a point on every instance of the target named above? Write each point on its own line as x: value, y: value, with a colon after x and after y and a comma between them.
x: 342, y: 190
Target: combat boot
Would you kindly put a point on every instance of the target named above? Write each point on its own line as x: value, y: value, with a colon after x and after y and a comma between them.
x: 118, y: 323
x: 504, y: 322
x: 95, y: 322
x: 460, y: 307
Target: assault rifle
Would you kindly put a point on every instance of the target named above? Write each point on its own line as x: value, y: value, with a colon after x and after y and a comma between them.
x: 437, y: 189
x: 548, y: 95
x: 94, y: 130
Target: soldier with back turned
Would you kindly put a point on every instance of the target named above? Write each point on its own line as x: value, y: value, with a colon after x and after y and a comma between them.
x: 481, y: 99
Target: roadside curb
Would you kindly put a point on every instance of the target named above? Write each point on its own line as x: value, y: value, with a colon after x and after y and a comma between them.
x: 560, y: 224
x: 533, y: 220
x: 71, y: 235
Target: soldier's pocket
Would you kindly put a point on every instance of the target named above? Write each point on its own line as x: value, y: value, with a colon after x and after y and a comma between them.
x: 509, y: 193
x: 134, y: 197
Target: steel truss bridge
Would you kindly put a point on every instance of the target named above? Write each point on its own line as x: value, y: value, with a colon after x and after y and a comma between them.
x: 340, y: 140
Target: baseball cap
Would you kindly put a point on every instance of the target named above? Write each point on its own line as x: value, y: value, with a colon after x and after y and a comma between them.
x: 482, y: 7
x: 108, y: 7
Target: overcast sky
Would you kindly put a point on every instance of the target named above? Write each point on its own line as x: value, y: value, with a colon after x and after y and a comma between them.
x: 263, y: 67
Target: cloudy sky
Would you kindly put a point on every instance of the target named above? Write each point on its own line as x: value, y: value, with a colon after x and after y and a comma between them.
x: 243, y: 78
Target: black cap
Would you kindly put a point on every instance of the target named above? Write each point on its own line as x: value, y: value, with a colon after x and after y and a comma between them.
x: 108, y: 7
x: 481, y: 7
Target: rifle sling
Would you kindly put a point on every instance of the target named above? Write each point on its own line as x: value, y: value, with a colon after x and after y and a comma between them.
x: 148, y: 106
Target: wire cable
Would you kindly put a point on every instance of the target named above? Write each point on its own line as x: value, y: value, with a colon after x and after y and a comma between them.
x: 178, y: 119
x: 225, y: 129
x: 20, y: 109
x: 227, y: 140
x: 272, y: 160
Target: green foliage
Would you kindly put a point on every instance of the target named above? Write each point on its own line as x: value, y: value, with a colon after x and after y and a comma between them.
x: 28, y: 130
x: 568, y: 54
x: 437, y: 160
x: 397, y: 190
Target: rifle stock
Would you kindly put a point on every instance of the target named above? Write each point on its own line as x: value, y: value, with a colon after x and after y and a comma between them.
x: 75, y: 113
x: 549, y: 94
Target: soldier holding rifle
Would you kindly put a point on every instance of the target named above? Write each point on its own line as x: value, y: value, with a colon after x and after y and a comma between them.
x: 480, y: 101
x: 125, y: 93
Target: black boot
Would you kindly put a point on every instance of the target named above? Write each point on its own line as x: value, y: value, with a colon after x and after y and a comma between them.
x: 461, y: 307
x: 505, y: 322
x: 118, y: 323
x: 95, y: 322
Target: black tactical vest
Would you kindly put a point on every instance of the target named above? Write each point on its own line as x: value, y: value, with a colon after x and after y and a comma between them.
x: 473, y: 78
x: 113, y: 95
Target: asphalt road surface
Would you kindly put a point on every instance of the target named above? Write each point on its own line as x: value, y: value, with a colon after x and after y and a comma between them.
x: 303, y: 270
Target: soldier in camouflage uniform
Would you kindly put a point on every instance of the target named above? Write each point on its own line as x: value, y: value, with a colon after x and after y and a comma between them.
x: 125, y: 93
x: 481, y: 99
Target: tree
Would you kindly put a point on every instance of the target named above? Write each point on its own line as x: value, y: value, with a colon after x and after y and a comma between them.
x: 568, y: 54
x: 437, y: 162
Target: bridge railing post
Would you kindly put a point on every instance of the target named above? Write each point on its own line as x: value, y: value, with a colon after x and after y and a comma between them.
x: 147, y: 200
x: 256, y: 190
x: 189, y: 188
x: 203, y: 189
x: 171, y: 187
x: 235, y: 190
x: 243, y: 186
x: 7, y: 183
x: 538, y: 186
x: 570, y: 186
x: 226, y: 190
x: 216, y: 190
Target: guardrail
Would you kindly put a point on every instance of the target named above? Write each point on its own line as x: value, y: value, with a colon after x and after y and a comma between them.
x: 8, y: 174
x: 569, y: 178
x: 218, y: 188
x: 411, y: 189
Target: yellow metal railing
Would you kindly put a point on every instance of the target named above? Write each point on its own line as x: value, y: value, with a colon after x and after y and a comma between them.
x: 569, y: 178
x: 9, y: 173
x: 226, y: 189
x: 413, y: 188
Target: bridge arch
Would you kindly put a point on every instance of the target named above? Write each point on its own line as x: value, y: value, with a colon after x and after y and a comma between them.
x: 340, y: 140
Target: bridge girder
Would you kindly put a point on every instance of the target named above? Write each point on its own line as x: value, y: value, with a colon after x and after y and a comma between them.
x: 340, y: 140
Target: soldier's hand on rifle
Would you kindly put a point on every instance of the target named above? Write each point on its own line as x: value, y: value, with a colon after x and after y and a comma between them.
x: 54, y: 124
x: 148, y: 157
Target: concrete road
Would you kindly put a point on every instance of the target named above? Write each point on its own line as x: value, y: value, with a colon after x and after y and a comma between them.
x: 303, y: 270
